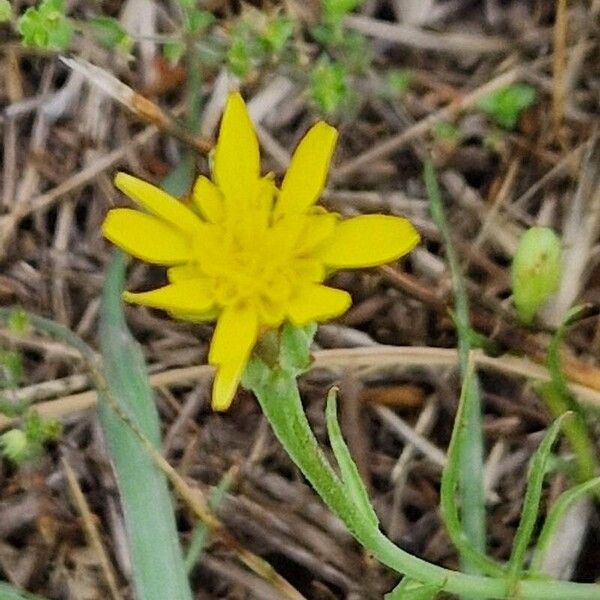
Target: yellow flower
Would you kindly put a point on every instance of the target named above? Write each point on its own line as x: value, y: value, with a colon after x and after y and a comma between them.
x: 247, y: 254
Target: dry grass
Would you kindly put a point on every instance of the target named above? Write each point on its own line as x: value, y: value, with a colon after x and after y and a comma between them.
x: 63, y: 139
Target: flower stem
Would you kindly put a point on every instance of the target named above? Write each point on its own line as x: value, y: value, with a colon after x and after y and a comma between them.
x: 280, y: 400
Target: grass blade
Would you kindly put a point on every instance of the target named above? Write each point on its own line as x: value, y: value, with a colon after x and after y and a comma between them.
x: 470, y: 474
x: 201, y: 532
x: 531, y: 504
x: 157, y: 562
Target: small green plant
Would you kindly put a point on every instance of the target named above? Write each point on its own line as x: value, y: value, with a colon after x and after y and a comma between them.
x: 505, y: 106
x: 329, y: 85
x: 258, y: 39
x: 26, y: 443
x: 46, y: 26
x: 535, y: 270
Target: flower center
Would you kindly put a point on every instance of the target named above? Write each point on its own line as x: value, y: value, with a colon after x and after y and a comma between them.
x: 249, y: 260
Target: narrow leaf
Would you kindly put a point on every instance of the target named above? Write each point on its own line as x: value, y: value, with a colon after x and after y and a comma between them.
x: 350, y: 475
x: 157, y: 562
x: 470, y: 451
x: 531, y: 504
x: 449, y: 503
x: 555, y: 517
x: 201, y: 532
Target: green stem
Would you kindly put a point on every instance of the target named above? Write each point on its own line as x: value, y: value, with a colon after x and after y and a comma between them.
x: 559, y: 399
x: 280, y: 401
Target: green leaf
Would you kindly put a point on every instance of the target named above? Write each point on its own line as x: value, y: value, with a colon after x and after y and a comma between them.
x: 40, y: 430
x: 555, y: 517
x: 110, y: 34
x: 173, y: 51
x: 277, y: 33
x: 157, y: 562
x: 448, y: 493
x: 199, y: 20
x: 12, y: 408
x: 201, y: 533
x: 350, y: 475
x: 47, y: 26
x: 335, y: 10
x: 179, y: 180
x: 11, y: 369
x: 294, y: 348
x: 329, y: 85
x: 469, y: 427
x: 535, y: 270
x: 559, y: 399
x: 531, y: 504
x: 5, y: 11
x: 239, y: 55
x: 187, y: 4
x: 409, y: 589
x: 506, y: 105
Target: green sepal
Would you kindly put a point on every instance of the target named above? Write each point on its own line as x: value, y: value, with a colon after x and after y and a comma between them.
x: 294, y: 348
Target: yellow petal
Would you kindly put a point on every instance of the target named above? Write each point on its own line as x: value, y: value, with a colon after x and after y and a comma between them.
x: 159, y: 203
x: 237, y: 159
x: 183, y: 272
x: 317, y: 303
x: 316, y: 231
x: 189, y: 296
x: 306, y: 175
x: 367, y: 241
x: 145, y: 237
x: 233, y: 340
x: 199, y: 317
x: 227, y: 379
x: 208, y: 199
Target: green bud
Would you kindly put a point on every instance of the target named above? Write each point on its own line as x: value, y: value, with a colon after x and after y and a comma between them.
x: 535, y: 270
